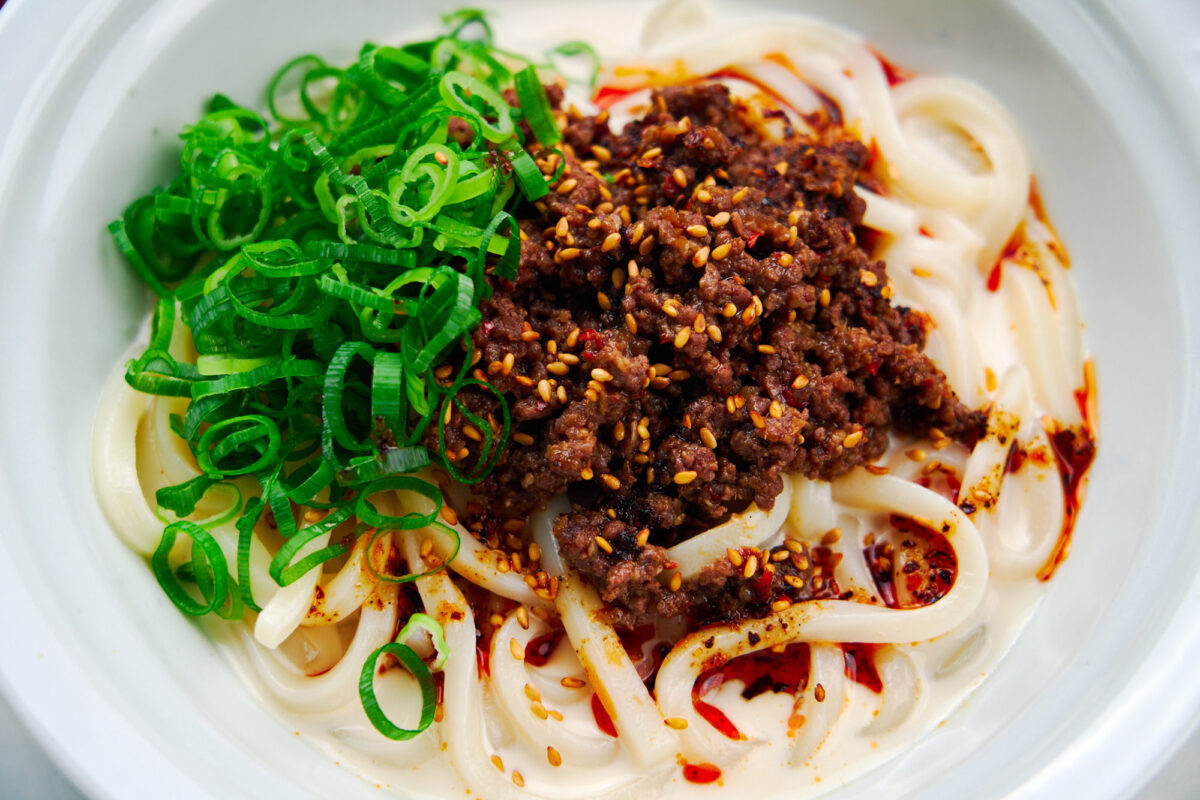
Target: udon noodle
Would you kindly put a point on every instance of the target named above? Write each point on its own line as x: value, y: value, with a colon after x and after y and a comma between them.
x: 966, y: 242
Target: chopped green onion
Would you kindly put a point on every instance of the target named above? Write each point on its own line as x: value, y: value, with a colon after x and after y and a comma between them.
x: 437, y: 635
x: 366, y: 691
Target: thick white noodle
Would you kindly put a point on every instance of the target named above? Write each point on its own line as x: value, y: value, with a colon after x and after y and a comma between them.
x: 827, y: 670
x: 831, y: 620
x: 753, y: 527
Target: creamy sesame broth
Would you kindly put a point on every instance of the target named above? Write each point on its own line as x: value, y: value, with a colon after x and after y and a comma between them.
x: 857, y: 607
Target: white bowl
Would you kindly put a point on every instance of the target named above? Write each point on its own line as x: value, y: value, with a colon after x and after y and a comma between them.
x: 134, y: 701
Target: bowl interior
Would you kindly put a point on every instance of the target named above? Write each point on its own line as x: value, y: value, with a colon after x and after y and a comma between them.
x: 1116, y: 182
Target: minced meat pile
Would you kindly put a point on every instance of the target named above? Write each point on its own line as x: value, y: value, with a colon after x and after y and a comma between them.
x: 694, y: 316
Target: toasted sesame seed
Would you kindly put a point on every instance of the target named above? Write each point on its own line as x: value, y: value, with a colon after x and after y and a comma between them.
x: 916, y: 454
x: 543, y: 389
x: 532, y: 692
x: 569, y: 359
x: 794, y: 545
x: 603, y: 544
x: 707, y: 437
x: 826, y: 297
x: 602, y: 375
x: 682, y: 336
x: 610, y: 242
x: 740, y: 195
x: 592, y: 397
x: 603, y: 301
x: 781, y: 604
x: 678, y: 375
x: 719, y: 220
x: 800, y: 381
x: 852, y: 439
x: 567, y: 186
x: 680, y: 177
x: 768, y: 349
x: 670, y: 307
x: 730, y: 310
x: 675, y: 582
x: 646, y: 246
x: 557, y: 368
x: 701, y: 257
x: 507, y: 364
x: 748, y: 315
x: 522, y: 438
x: 699, y: 323
x: 611, y: 481
x: 793, y: 581
x: 921, y: 272
x: 831, y: 536
x: 751, y: 567
x: 703, y: 196
x: 636, y: 235
x: 697, y: 231
x: 643, y: 537
x: 786, y: 259
x: 498, y: 763
x: 776, y: 410
x: 602, y: 154
x: 517, y: 651
x: 734, y: 557
x: 539, y: 711
x: 631, y: 323
x: 720, y: 251
x: 562, y: 228
x: 780, y: 555
x: 586, y: 473
x: 757, y: 419
x: 569, y: 253
x: 516, y: 776
x: 684, y: 477
x: 653, y: 152
x: 553, y: 757
x: 867, y: 278
x: 572, y: 683
x: 678, y: 723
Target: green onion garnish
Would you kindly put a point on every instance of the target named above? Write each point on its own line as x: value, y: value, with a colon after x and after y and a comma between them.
x: 370, y: 703
x: 329, y: 261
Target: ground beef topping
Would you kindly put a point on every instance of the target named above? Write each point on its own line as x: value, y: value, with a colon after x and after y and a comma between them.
x: 693, y: 317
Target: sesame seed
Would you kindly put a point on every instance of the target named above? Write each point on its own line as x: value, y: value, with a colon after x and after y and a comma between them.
x: 653, y: 152
x: 794, y: 545
x: 498, y: 763
x: 751, y: 567
x: 603, y: 544
x: 631, y: 323
x: 603, y: 301
x: 780, y: 555
x: 730, y: 310
x: 517, y: 651
x: 697, y: 231
x: 776, y: 410
x: 544, y: 390
x: 916, y: 454
x: 719, y: 220
x: 602, y: 375
x: 539, y: 711
x: 592, y: 397
x: 532, y: 692
x: 678, y: 723
x: 852, y: 439
x: 867, y: 278
x: 680, y: 177
x: 636, y: 235
x: 735, y: 557
x: 767, y: 349
x: 720, y: 251
x: 586, y: 473
x: 826, y: 297
x: 569, y: 359
x: 557, y: 368
x: 522, y: 438
x: 602, y: 154
x: 921, y: 272
x: 611, y: 481
x: 781, y: 604
x: 703, y: 196
x: 740, y: 195
x: 553, y: 757
x: 707, y: 437
x: 567, y: 186
x: 646, y: 246
x: 786, y: 259
x: 758, y: 420
x: 516, y: 776
x: 748, y: 315
x: 562, y: 228
x: 699, y: 323
x: 793, y: 581
x: 670, y: 307
x: 730, y: 405
x: 682, y: 336
x: 569, y: 253
x: 507, y: 364
x: 831, y: 536
x: 701, y: 257
x: 678, y: 375
x: 643, y: 537
x: 610, y: 242
x: 675, y: 582
x: 819, y: 693
x: 684, y: 477
x: 572, y: 683
x: 800, y: 381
